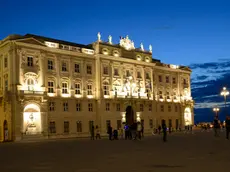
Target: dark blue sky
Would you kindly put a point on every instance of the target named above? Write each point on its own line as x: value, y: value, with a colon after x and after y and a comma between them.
x: 181, y: 32
x: 188, y: 32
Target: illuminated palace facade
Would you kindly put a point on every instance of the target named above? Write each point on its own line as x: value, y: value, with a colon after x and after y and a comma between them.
x: 54, y: 89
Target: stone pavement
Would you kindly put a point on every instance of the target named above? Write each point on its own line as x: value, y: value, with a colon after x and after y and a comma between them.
x: 199, y: 152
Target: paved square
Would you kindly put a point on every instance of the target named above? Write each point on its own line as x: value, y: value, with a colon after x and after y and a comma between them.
x: 200, y: 152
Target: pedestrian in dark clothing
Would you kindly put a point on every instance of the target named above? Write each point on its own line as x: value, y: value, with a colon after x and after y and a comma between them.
x: 92, y: 132
x: 227, y: 126
x: 159, y: 129
x: 142, y: 130
x: 164, y: 130
x: 110, y: 132
x: 126, y: 128
x: 216, y: 127
x: 115, y: 134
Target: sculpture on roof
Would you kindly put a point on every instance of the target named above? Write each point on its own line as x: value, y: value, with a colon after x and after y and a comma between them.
x: 99, y: 37
x: 110, y: 39
x: 126, y: 43
x: 150, y: 48
x: 142, y: 47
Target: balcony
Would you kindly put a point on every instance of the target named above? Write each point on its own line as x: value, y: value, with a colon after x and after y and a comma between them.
x: 32, y: 93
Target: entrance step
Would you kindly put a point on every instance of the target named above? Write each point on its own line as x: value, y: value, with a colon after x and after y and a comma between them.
x: 34, y: 137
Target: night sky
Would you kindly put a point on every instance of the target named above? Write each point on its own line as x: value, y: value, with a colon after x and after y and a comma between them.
x: 186, y: 32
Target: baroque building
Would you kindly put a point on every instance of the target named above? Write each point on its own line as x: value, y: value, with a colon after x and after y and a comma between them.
x: 53, y: 89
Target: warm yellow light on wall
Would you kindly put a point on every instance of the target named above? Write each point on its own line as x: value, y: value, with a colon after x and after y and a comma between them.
x: 65, y: 95
x: 89, y: 96
x: 138, y: 116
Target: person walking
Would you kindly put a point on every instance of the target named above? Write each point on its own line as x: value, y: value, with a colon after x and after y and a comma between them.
x: 164, y: 130
x: 98, y: 136
x: 139, y: 129
x: 92, y: 132
x: 216, y: 127
x: 227, y: 127
x: 110, y: 132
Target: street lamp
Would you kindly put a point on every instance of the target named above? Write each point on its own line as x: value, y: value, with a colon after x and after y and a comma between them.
x: 216, y: 110
x: 224, y: 93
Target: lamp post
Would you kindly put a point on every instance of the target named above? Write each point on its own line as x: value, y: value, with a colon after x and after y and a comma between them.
x: 224, y: 93
x: 216, y: 110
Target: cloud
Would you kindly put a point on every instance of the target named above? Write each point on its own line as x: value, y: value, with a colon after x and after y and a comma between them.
x: 208, y: 79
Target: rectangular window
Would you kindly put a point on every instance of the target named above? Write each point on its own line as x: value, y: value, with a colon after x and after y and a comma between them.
x: 5, y: 62
x: 89, y: 69
x: 77, y: 68
x: 147, y: 76
x: 64, y: 88
x: 6, y: 85
x: 150, y: 107
x: 50, y: 65
x: 162, y: 108
x: 78, y: 107
x: 106, y: 88
x: 51, y: 106
x: 66, y: 126
x: 50, y: 87
x: 64, y: 67
x: 90, y: 107
x: 79, y: 126
x: 169, y: 108
x: 118, y: 107
x: 176, y: 108
x: 160, y: 78
x: 127, y: 73
x: 160, y: 95
x: 174, y: 80
x: 167, y: 79
x: 184, y: 81
x: 30, y: 61
x: 177, y: 124
x: 52, y: 127
x: 65, y: 106
x: 89, y: 89
x: 170, y: 123
x: 138, y: 74
x: 150, y: 123
x: 107, y: 107
x: 167, y: 95
x: 105, y: 70
x: 116, y: 73
x: 108, y: 122
x: 141, y: 107
x: 77, y: 88
x: 118, y: 124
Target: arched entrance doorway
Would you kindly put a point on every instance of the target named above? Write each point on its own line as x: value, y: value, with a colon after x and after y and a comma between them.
x: 187, y: 116
x: 5, y: 131
x: 32, y: 119
x: 129, y: 115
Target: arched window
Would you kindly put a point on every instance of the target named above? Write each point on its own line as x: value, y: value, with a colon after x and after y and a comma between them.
x: 106, y: 88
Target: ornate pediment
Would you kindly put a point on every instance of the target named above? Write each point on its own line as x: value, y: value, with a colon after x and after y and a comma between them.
x: 127, y: 43
x: 30, y: 41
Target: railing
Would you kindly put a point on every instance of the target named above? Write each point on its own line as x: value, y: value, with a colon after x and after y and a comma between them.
x: 32, y: 92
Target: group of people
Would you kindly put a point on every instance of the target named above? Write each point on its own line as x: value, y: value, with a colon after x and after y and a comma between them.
x: 217, y: 126
x: 133, y: 131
